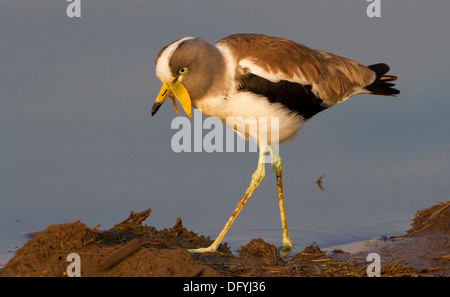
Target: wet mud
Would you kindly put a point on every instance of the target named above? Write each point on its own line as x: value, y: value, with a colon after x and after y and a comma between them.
x: 132, y: 248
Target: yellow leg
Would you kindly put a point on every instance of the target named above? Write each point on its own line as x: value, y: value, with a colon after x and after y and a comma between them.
x: 257, y: 177
x: 286, y: 247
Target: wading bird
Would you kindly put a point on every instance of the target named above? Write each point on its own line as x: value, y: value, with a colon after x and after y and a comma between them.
x: 255, y: 76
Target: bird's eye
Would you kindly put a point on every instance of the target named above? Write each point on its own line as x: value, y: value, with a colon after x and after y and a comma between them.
x: 183, y: 70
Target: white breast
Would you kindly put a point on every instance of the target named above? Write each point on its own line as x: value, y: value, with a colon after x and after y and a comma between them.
x: 254, y: 117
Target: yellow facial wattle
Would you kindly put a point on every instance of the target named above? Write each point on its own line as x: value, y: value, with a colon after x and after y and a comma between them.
x: 173, y: 89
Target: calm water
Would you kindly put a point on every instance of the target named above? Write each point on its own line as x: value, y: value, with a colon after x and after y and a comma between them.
x: 77, y: 140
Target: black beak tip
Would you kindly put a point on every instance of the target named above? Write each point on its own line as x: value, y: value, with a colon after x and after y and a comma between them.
x: 155, y: 108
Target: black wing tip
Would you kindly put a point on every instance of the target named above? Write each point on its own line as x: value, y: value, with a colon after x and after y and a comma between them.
x: 381, y: 85
x: 380, y: 69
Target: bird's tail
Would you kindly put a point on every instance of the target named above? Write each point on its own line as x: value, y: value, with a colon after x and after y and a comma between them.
x: 382, y: 85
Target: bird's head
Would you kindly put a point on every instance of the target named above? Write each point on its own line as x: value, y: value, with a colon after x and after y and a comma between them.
x: 187, y: 68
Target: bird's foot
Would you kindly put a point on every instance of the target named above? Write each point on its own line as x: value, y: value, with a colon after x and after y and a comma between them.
x: 286, y: 249
x: 209, y: 249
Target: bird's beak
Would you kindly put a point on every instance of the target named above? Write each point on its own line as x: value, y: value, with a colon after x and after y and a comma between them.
x: 173, y: 89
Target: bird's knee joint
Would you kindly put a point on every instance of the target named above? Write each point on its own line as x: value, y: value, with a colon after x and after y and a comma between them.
x: 258, y: 176
x: 277, y: 165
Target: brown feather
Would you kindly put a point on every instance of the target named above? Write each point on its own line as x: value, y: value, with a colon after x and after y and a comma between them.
x: 333, y: 78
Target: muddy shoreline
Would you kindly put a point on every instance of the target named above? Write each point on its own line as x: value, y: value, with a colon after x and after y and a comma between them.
x: 132, y: 248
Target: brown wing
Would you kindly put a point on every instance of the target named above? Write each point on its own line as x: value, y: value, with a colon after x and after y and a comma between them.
x: 332, y: 78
